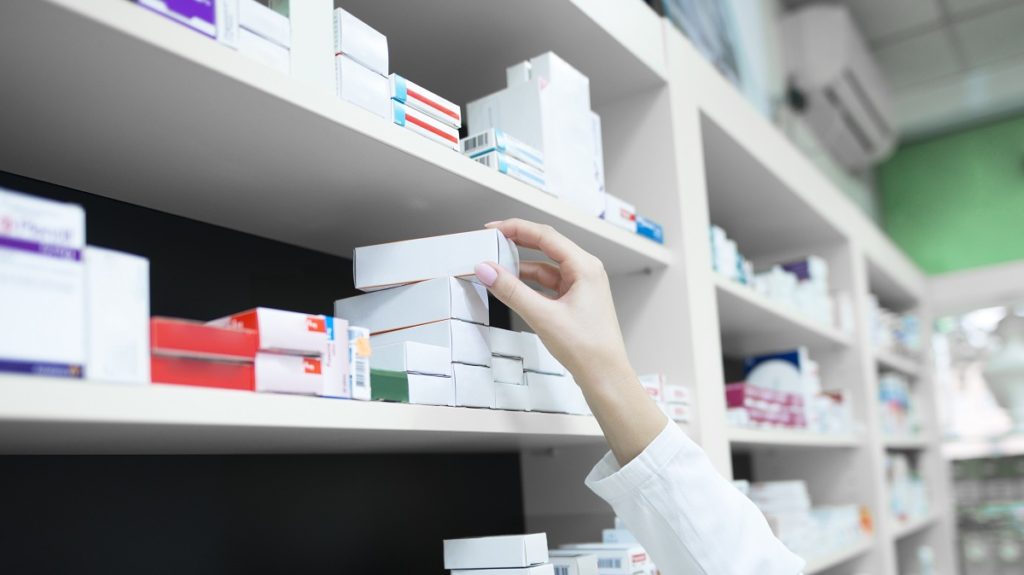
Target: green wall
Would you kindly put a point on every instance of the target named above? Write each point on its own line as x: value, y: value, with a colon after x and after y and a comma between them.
x: 957, y: 201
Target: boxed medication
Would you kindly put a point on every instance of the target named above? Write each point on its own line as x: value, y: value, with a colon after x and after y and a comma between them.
x: 360, y: 42
x: 264, y: 22
x: 495, y: 140
x: 507, y: 369
x: 398, y: 263
x: 423, y: 100
x: 537, y: 358
x: 466, y: 342
x: 227, y: 16
x: 615, y: 558
x: 361, y: 86
x: 412, y: 357
x: 542, y: 569
x: 569, y: 562
x: 512, y: 167
x: 618, y: 535
x: 498, y: 552
x: 195, y: 340
x: 506, y: 343
x: 416, y: 304
x: 117, y: 316
x: 675, y: 393
x: 619, y: 213
x: 282, y: 331
x: 511, y: 396
x: 412, y: 388
x: 359, y: 352
x: 474, y: 386
x: 424, y: 125
x: 312, y: 43
x: 550, y: 393
x: 202, y: 373
x: 653, y: 383
x: 264, y: 51
x: 200, y: 15
x: 650, y: 229
x: 678, y: 412
x: 290, y: 374
x: 42, y: 286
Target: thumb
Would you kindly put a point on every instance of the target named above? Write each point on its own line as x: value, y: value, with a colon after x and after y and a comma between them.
x: 511, y: 291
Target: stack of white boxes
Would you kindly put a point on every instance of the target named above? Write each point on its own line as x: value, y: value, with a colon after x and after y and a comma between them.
x: 674, y: 400
x: 546, y: 104
x: 507, y: 154
x: 550, y: 385
x: 626, y: 558
x: 361, y: 64
x: 500, y: 555
x: 264, y: 35
x: 415, y: 108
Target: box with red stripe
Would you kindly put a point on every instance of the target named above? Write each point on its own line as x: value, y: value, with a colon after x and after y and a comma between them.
x: 423, y: 100
x: 424, y: 125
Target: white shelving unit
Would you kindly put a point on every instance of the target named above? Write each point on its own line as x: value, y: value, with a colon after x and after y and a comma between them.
x: 120, y: 102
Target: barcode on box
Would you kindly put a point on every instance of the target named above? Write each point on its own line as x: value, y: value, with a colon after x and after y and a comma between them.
x: 561, y: 570
x: 360, y: 369
x: 609, y: 563
x: 477, y: 141
x: 487, y: 160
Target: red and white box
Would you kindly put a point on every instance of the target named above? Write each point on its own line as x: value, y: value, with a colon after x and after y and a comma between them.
x: 279, y: 373
x: 202, y: 373
x: 653, y: 384
x: 419, y: 98
x: 678, y: 412
x: 743, y: 394
x: 183, y: 338
x: 425, y: 125
x: 282, y: 331
x: 675, y: 393
x: 619, y: 213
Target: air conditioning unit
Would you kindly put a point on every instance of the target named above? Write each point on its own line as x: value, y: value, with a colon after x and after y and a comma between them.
x: 846, y: 99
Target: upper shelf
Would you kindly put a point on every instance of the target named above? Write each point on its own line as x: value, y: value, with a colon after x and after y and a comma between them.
x: 120, y: 102
x: 41, y: 415
x: 891, y: 360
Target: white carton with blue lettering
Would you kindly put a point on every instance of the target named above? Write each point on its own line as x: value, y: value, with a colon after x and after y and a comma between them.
x: 513, y: 167
x: 615, y: 558
x: 422, y: 99
x: 42, y: 286
x: 424, y: 125
x: 495, y: 140
x: 361, y: 86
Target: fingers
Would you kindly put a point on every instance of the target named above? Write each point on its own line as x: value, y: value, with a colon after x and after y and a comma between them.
x: 540, y: 237
x: 505, y: 286
x: 545, y: 274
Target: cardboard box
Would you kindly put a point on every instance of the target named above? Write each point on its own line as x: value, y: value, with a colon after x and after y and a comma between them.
x: 618, y: 535
x: 511, y: 396
x: 424, y: 125
x: 117, y: 316
x: 506, y: 343
x: 569, y: 562
x: 512, y: 167
x: 264, y: 22
x: 359, y: 353
x: 199, y: 15
x: 419, y: 98
x: 361, y: 86
x: 474, y: 386
x: 360, y: 42
x: 550, y: 393
x: 412, y: 357
x: 507, y: 369
x: 678, y: 412
x: 498, y: 552
x: 227, y: 18
x: 416, y: 304
x: 542, y: 569
x: 675, y: 393
x: 398, y: 263
x: 650, y: 229
x: 191, y: 339
x: 264, y: 51
x: 42, y: 286
x: 289, y: 374
x: 619, y: 213
x: 312, y: 48
x: 652, y: 383
x: 495, y: 140
x: 335, y: 360
x: 615, y: 558
x: 537, y: 358
x: 202, y: 373
x: 466, y: 342
x: 281, y: 331
x: 412, y: 388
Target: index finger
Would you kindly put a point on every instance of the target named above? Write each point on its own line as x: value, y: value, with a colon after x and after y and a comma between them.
x: 539, y: 237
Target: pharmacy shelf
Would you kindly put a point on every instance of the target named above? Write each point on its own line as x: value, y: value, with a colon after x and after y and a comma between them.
x: 828, y: 561
x: 765, y: 438
x: 981, y: 447
x: 160, y: 116
x: 905, y: 529
x: 907, y: 443
x: 751, y: 323
x: 893, y: 361
x: 43, y: 415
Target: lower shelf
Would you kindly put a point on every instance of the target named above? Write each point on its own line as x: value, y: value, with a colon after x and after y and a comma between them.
x: 830, y: 560
x: 45, y: 415
x: 907, y: 528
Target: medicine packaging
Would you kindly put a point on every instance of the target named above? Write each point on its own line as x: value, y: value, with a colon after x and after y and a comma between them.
x: 359, y: 352
x: 543, y: 569
x: 281, y: 331
x: 191, y: 339
x: 264, y: 22
x: 413, y: 357
x: 466, y: 342
x: 227, y: 19
x: 615, y: 558
x: 507, y: 369
x: 503, y: 551
x: 653, y: 383
x: 202, y: 373
x: 618, y: 535
x: 398, y: 263
x: 650, y: 229
x: 360, y: 42
x: 264, y: 51
x: 416, y: 304
x: 42, y: 283
x: 675, y: 393
x: 496, y: 140
x: 569, y: 562
x: 424, y: 125
x: 474, y: 386
x: 361, y: 86
x: 297, y: 374
x: 512, y: 167
x: 549, y: 393
x: 537, y: 358
x: 117, y: 316
x: 413, y: 388
x: 419, y: 98
x: 511, y: 396
x: 200, y: 15
x: 678, y: 412
x: 312, y: 43
x: 506, y: 343
x: 620, y: 213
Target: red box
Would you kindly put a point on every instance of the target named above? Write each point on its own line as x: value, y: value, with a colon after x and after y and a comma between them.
x: 203, y: 373
x: 190, y: 339
x: 745, y: 395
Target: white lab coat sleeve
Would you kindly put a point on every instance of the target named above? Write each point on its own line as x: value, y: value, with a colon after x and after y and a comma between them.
x: 688, y: 518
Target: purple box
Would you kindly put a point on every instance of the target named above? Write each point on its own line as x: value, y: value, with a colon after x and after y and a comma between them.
x: 200, y: 15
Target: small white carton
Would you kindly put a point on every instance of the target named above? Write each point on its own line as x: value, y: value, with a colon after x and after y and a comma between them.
x: 512, y: 167
x: 416, y: 304
x: 264, y: 22
x: 474, y: 386
x: 507, y: 369
x: 422, y: 99
x: 542, y: 569
x: 399, y: 263
x: 117, y: 316
x: 495, y: 140
x: 466, y: 342
x: 506, y: 343
x: 503, y: 551
x: 537, y: 358
x: 615, y: 558
x: 653, y: 384
x: 227, y: 16
x: 412, y: 357
x: 312, y: 47
x: 361, y: 86
x: 431, y: 389
x: 264, y: 51
x: 424, y: 125
x: 282, y: 331
x: 359, y: 352
x: 619, y: 213
x: 360, y: 42
x: 549, y: 393
x: 569, y: 562
x: 511, y: 396
x: 678, y: 412
x: 281, y: 373
x: 675, y: 393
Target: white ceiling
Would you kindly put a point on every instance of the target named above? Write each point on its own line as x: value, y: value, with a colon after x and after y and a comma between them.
x: 948, y: 62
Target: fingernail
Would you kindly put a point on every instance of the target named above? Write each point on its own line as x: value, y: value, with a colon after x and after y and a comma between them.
x: 486, y: 274
x: 492, y: 224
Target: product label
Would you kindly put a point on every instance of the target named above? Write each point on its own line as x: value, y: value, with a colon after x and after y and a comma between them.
x: 311, y: 366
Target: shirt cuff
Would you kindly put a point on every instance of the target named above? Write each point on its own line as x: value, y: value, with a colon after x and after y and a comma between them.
x: 611, y: 482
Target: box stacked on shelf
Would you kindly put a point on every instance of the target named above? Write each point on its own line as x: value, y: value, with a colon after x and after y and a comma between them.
x: 511, y: 391
x: 117, y: 316
x: 616, y: 558
x: 908, y: 493
x: 415, y: 108
x: 505, y: 153
x: 754, y: 406
x: 411, y: 372
x: 199, y: 15
x: 191, y: 353
x: 890, y: 331
x: 674, y: 400
x: 361, y: 64
x: 899, y: 415
x: 264, y: 35
x: 499, y: 555
x: 572, y: 562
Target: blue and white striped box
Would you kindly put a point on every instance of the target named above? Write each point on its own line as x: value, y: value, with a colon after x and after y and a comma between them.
x: 513, y: 167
